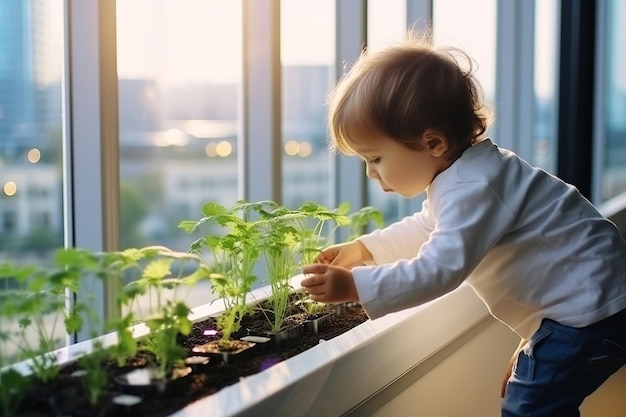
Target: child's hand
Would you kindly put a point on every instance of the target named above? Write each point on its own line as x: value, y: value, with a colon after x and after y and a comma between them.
x: 347, y: 255
x: 505, y: 380
x: 329, y: 283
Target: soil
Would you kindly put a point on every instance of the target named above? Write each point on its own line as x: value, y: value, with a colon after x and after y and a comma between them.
x: 62, y: 398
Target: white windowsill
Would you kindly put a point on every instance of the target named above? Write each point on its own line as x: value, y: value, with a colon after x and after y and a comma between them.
x: 333, y: 377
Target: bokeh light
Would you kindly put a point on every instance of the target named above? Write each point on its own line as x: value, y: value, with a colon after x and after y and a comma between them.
x: 10, y: 188
x: 224, y: 149
x: 34, y: 155
x: 294, y: 148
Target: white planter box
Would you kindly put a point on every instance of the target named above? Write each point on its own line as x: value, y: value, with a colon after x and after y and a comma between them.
x: 335, y: 376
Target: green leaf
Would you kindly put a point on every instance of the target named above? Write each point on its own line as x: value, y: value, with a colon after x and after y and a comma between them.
x: 185, y: 327
x: 131, y: 290
x: 213, y: 208
x: 131, y: 255
x: 73, y: 323
x: 127, y: 342
x: 343, y: 209
x: 157, y: 269
x: 189, y: 226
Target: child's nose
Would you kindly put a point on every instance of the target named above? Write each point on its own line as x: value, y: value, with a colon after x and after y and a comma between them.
x: 371, y: 172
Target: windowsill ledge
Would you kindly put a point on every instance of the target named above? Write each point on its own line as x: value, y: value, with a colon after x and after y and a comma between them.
x: 356, y: 364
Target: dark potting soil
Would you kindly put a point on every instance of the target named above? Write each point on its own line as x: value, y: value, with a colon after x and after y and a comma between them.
x: 63, y: 396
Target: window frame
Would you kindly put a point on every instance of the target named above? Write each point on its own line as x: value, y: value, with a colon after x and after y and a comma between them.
x: 91, y: 141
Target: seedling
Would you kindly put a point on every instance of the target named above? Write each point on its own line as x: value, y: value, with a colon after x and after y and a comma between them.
x: 233, y: 254
x: 162, y: 269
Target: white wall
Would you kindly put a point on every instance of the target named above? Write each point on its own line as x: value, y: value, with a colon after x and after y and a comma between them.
x: 464, y: 380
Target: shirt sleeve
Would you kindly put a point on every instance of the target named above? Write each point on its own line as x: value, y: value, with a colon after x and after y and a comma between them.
x: 402, y: 239
x: 470, y: 220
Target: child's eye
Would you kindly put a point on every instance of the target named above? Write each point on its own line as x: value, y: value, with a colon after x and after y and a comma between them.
x: 374, y: 160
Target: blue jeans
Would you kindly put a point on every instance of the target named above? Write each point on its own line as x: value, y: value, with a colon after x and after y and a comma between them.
x: 561, y: 365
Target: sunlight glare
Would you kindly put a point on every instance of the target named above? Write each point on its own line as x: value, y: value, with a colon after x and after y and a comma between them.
x: 172, y: 137
x: 178, y: 42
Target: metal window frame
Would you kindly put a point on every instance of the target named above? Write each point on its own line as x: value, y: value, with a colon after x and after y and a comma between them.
x: 91, y: 141
x: 260, y: 139
x: 514, y: 95
x: 576, y: 93
x: 600, y: 100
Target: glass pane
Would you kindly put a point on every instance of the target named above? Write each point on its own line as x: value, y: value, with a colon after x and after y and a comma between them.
x: 455, y: 24
x: 386, y: 24
x: 307, y: 59
x: 613, y: 175
x: 31, y: 179
x: 546, y: 112
x: 179, y: 68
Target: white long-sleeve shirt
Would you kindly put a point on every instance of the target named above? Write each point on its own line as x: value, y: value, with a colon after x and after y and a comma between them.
x: 530, y: 245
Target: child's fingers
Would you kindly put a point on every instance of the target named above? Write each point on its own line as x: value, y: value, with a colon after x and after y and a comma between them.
x: 319, y: 298
x: 311, y: 281
x: 324, y: 258
x: 314, y: 269
x: 314, y: 282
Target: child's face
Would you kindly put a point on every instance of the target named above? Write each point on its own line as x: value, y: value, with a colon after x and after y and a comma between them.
x: 399, y: 169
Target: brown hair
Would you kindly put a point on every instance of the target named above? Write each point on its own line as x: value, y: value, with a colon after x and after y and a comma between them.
x: 402, y: 91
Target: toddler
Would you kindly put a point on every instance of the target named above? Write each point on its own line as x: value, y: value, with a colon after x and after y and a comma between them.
x: 540, y: 256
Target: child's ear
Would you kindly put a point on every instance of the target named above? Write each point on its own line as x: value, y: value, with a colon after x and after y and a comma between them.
x: 435, y: 142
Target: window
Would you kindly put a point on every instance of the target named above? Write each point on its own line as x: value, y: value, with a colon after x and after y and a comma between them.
x: 31, y: 56
x: 452, y: 27
x: 31, y: 208
x: 179, y: 69
x: 543, y: 152
x: 610, y: 161
x: 307, y: 59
